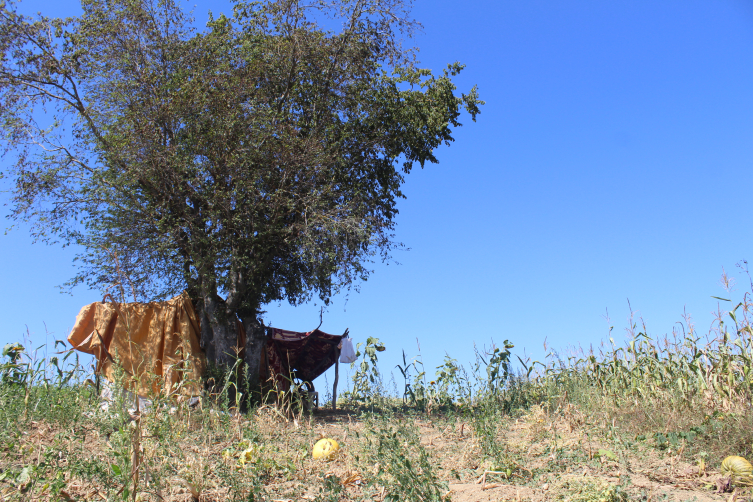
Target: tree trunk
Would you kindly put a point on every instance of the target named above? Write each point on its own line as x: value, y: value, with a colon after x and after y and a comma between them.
x: 219, y: 335
x: 219, y: 339
x: 256, y: 342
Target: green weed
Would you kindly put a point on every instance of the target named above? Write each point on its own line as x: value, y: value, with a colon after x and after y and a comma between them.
x: 398, y: 466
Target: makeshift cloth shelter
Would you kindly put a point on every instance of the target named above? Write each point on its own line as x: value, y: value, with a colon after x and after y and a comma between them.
x: 157, y: 342
x: 301, y: 356
x: 162, y: 339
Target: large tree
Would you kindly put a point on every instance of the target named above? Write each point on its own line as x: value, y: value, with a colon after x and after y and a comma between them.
x: 257, y: 160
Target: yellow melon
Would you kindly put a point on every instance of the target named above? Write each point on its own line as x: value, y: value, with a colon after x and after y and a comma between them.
x: 325, y: 448
x: 737, y: 467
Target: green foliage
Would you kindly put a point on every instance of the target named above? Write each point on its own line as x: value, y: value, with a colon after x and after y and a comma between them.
x: 415, y: 393
x: 366, y: 379
x: 589, y: 490
x: 13, y: 371
x: 498, y: 368
x: 331, y: 490
x: 449, y: 384
x: 400, y: 466
x: 451, y: 387
x: 260, y: 158
x: 678, y: 369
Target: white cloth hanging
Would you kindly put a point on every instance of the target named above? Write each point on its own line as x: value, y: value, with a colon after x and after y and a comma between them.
x: 347, y: 354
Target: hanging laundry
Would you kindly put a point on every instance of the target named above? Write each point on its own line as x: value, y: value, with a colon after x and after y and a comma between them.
x: 347, y: 354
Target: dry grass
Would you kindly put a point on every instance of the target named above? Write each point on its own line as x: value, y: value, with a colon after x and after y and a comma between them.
x: 206, y: 456
x: 650, y: 421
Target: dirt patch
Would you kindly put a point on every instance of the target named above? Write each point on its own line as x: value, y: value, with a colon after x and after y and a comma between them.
x: 538, y: 456
x: 465, y: 492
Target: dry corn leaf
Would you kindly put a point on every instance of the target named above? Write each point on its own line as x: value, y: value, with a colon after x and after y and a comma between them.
x: 351, y: 479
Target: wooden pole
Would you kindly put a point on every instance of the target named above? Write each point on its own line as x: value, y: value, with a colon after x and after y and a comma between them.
x: 337, y: 375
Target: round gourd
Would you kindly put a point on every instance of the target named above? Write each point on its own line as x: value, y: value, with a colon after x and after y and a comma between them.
x: 737, y: 467
x: 325, y: 448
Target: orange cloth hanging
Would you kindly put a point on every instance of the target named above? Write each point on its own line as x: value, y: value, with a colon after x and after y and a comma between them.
x: 156, y: 343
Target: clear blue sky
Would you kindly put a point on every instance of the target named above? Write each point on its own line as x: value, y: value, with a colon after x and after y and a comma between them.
x: 612, y: 161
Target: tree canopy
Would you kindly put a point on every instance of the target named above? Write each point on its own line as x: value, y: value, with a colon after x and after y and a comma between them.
x: 256, y: 160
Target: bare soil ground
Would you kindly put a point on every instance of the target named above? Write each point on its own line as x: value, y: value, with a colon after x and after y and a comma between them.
x: 547, y: 456
x: 557, y: 458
